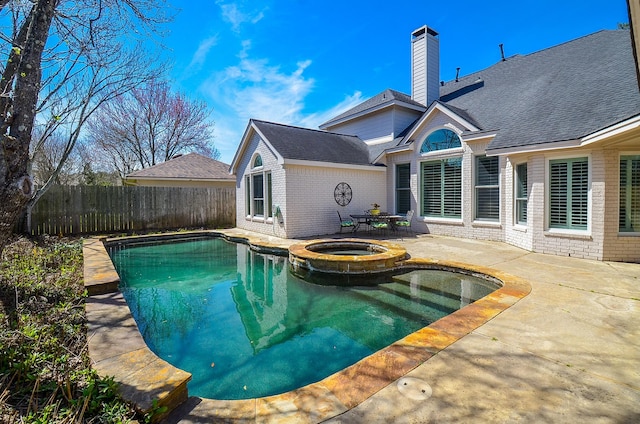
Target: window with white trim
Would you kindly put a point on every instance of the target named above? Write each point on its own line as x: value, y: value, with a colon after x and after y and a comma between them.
x: 257, y: 194
x: 521, y: 194
x: 258, y: 191
x: 441, y: 139
x: 403, y: 188
x: 441, y: 188
x: 569, y: 193
x: 487, y: 188
x: 629, y: 217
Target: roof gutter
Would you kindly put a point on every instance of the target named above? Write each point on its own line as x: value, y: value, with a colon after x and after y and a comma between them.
x: 320, y: 164
x: 557, y: 145
x: 612, y: 131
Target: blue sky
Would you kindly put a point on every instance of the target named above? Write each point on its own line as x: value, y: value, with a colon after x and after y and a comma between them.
x: 301, y: 62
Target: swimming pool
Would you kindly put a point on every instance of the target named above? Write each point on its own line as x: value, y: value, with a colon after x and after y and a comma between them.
x: 245, y: 327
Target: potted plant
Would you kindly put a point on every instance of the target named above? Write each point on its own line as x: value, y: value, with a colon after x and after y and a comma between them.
x: 375, y: 210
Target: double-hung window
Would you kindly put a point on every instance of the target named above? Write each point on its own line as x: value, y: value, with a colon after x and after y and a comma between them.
x: 442, y: 188
x: 403, y: 188
x: 487, y: 188
x: 569, y: 193
x: 258, y: 191
x: 521, y: 194
x: 257, y: 194
x: 629, y: 217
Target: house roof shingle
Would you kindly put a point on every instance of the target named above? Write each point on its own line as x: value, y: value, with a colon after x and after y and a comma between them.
x: 314, y: 145
x: 192, y: 166
x: 388, y: 96
x: 560, y: 93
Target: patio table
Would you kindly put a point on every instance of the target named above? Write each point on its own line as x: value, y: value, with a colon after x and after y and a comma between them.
x: 368, y: 219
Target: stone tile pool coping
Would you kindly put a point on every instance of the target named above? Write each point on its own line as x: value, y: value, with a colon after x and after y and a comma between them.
x: 117, y: 349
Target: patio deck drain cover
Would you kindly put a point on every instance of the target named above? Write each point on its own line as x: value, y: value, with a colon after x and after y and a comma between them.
x: 414, y: 388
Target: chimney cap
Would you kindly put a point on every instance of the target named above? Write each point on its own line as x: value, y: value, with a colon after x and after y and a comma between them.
x: 422, y: 31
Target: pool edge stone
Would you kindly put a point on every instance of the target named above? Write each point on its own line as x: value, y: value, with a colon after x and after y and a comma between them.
x: 143, y: 378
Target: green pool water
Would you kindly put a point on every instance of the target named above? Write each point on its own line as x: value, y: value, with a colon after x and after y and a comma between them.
x: 245, y: 327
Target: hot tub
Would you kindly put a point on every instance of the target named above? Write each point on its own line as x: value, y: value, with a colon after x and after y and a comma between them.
x: 345, y: 256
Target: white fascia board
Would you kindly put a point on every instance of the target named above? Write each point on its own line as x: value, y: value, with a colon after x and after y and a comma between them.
x: 268, y: 144
x: 542, y: 147
x: 246, y: 139
x: 612, y: 131
x: 398, y: 149
x: 379, y: 140
x: 477, y: 137
x: 437, y: 106
x: 241, y: 148
x: 372, y: 110
x: 319, y: 164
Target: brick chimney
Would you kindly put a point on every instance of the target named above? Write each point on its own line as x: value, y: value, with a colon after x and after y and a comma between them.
x: 425, y: 65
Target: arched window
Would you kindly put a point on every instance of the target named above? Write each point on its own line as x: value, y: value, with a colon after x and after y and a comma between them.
x: 257, y: 161
x: 440, y: 140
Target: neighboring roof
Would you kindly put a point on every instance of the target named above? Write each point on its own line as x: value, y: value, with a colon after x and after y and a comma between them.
x: 386, y: 98
x: 298, y: 143
x: 561, y: 93
x: 192, y: 166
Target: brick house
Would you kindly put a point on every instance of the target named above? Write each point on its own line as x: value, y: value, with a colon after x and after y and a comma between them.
x: 541, y: 151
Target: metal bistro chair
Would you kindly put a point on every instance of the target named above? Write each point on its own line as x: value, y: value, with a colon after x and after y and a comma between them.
x: 380, y: 226
x: 406, y: 221
x: 346, y: 223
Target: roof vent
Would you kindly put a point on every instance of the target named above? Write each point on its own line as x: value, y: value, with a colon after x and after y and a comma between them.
x: 502, y: 52
x: 457, y: 74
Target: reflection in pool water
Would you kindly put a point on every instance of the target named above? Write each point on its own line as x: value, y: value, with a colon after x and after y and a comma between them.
x: 245, y: 327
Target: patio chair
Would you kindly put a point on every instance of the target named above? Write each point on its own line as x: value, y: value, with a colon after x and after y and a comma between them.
x: 406, y: 221
x: 346, y: 223
x: 380, y: 226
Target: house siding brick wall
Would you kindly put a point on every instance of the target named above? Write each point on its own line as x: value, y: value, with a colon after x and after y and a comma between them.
x: 305, y: 196
x: 270, y: 162
x: 312, y: 207
x: 616, y: 246
x: 518, y: 235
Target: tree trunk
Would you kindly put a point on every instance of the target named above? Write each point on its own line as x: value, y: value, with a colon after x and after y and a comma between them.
x: 16, y: 187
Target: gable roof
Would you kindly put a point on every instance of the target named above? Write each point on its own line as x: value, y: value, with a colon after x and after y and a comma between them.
x: 561, y: 93
x: 192, y: 166
x: 387, y: 98
x: 296, y: 143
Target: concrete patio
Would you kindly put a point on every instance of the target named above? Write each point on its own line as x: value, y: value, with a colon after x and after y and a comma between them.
x: 567, y: 352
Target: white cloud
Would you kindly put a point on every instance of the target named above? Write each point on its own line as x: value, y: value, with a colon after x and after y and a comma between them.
x: 314, y: 120
x: 254, y: 88
x: 200, y: 56
x: 232, y: 13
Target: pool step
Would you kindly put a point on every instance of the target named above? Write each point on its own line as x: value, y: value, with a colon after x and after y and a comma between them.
x: 444, y: 302
x: 403, y: 304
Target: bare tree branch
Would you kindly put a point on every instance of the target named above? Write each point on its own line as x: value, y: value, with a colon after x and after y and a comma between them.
x: 151, y: 125
x: 63, y: 60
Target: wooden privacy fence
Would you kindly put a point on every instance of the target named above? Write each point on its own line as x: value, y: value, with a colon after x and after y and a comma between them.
x: 97, y: 209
